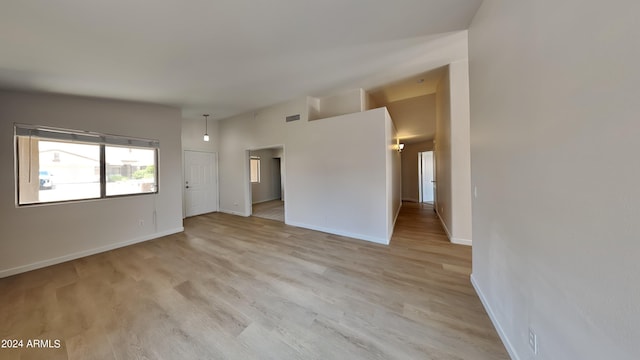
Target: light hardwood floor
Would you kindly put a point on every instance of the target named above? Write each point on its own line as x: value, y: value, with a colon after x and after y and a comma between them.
x: 249, y: 288
x: 273, y: 210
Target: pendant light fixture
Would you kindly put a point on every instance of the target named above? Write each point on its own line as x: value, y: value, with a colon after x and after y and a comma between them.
x: 206, y: 127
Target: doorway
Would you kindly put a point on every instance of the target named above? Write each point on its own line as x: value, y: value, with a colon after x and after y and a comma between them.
x: 277, y: 177
x: 426, y: 176
x: 200, y: 183
x: 266, y: 176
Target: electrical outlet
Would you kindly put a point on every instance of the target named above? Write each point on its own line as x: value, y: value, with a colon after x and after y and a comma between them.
x: 533, y: 341
x: 475, y: 192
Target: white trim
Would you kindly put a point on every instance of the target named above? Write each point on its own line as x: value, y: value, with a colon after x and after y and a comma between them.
x: 461, y: 241
x: 81, y: 254
x: 397, y: 214
x: 341, y: 233
x: 503, y: 336
x: 444, y: 226
x: 452, y: 239
x: 393, y: 225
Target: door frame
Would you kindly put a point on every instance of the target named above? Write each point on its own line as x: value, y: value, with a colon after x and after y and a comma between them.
x: 421, y: 172
x: 248, y: 194
x: 420, y: 181
x: 277, y: 175
x: 216, y: 178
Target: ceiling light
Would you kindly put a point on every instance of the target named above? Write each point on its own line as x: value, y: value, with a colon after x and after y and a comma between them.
x: 206, y: 127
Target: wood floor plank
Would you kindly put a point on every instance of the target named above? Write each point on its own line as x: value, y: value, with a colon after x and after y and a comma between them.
x: 230, y: 287
x: 273, y: 210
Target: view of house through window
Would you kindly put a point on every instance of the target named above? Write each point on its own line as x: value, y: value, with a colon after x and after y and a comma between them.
x: 56, y: 170
x: 130, y: 170
x: 67, y: 171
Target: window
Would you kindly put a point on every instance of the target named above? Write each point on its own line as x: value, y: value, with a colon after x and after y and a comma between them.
x: 55, y: 165
x: 130, y: 170
x: 255, y: 169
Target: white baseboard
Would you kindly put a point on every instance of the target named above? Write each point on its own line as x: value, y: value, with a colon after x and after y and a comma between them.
x: 80, y: 254
x: 393, y: 225
x: 341, y: 233
x: 496, y: 324
x: 444, y: 226
x: 461, y: 241
x: 453, y: 240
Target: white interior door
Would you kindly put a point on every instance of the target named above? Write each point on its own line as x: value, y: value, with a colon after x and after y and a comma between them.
x: 200, y: 183
x: 426, y: 176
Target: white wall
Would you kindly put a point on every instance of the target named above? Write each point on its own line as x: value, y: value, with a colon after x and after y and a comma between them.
x: 444, y: 199
x: 336, y: 189
x: 41, y: 235
x: 345, y: 102
x: 193, y: 132
x: 369, y: 102
x: 192, y: 140
x: 265, y: 128
x: 452, y: 153
x: 393, y: 173
x: 460, y: 152
x: 327, y: 186
x: 554, y: 103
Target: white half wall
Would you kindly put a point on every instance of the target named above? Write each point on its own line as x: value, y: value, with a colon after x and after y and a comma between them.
x: 328, y: 187
x: 394, y: 174
x: 342, y: 103
x: 38, y: 236
x: 555, y: 135
x: 335, y: 188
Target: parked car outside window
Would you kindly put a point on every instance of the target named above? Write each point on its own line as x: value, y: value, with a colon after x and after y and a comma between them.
x: 46, y: 181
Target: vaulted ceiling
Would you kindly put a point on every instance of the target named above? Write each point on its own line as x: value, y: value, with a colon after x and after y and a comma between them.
x: 224, y: 56
x: 412, y: 104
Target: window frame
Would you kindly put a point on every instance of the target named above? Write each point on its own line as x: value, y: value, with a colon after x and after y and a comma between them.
x: 253, y: 159
x: 87, y: 138
x: 103, y: 174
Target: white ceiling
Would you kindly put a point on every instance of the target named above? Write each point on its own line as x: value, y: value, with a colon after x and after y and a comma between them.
x: 224, y: 56
x: 421, y: 84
